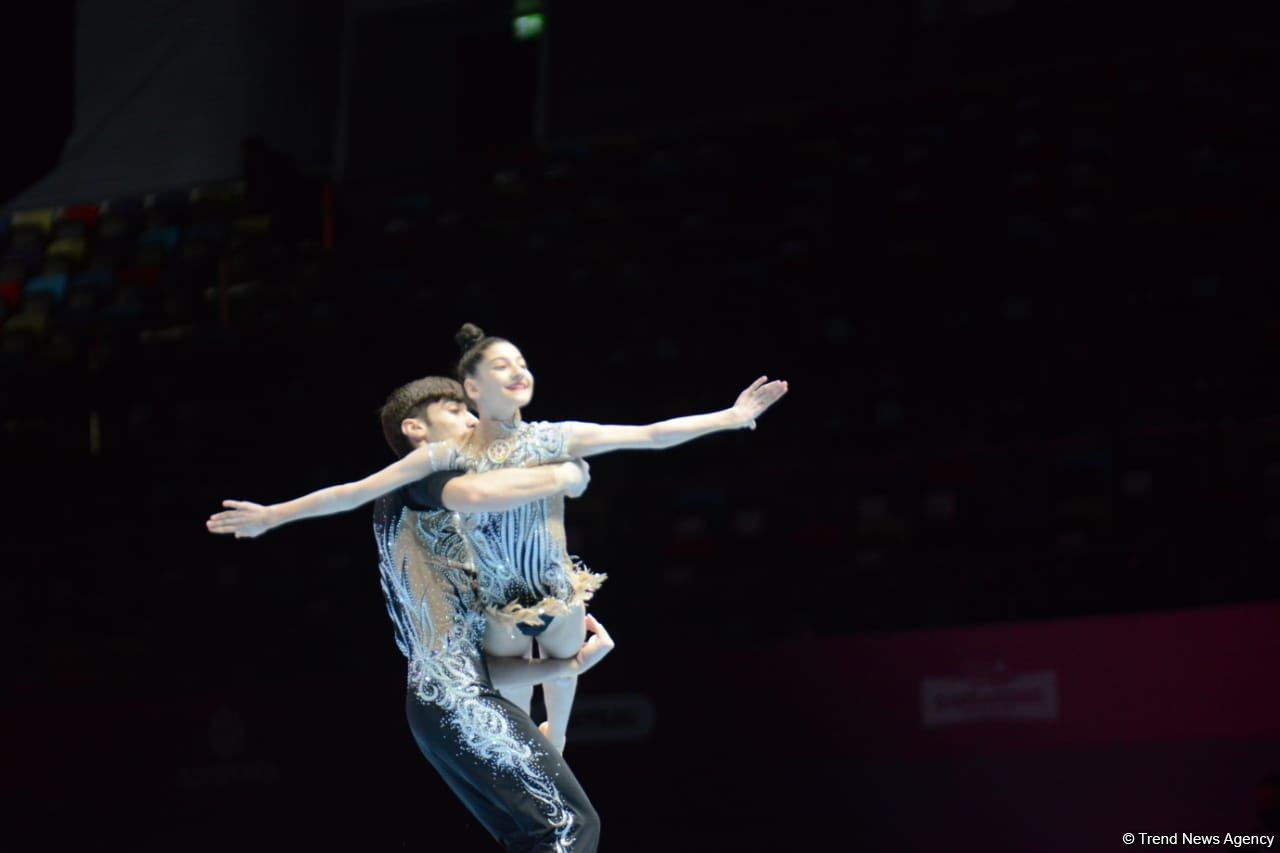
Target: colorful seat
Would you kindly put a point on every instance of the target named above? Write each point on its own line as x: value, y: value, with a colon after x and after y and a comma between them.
x: 33, y: 322
x: 11, y: 293
x: 166, y: 237
x: 70, y: 248
x: 140, y: 276
x: 85, y: 214
x: 53, y: 285
x: 42, y: 219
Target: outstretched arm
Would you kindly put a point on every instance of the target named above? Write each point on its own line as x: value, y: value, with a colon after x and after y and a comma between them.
x: 247, y: 519
x: 587, y: 439
x: 513, y: 673
x: 492, y: 491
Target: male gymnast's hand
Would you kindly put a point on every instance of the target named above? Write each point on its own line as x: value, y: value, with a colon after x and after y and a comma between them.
x: 243, y: 518
x: 758, y: 397
x: 577, y: 477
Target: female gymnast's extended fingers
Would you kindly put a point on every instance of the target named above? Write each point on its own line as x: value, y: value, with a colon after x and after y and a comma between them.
x: 227, y: 517
x: 774, y: 390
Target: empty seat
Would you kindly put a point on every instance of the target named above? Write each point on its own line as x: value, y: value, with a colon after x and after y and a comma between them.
x: 140, y: 276
x: 85, y: 214
x: 32, y: 322
x: 69, y: 248
x: 42, y: 219
x: 11, y: 293
x: 53, y: 285
x: 165, y: 238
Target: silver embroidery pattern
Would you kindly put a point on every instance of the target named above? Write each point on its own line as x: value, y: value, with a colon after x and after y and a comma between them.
x: 516, y: 556
x: 439, y: 629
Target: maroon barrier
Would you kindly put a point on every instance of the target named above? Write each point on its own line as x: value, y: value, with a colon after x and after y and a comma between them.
x: 1080, y: 729
x: 1200, y: 674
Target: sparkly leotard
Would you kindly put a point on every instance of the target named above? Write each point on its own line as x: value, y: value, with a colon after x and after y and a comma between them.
x: 521, y: 559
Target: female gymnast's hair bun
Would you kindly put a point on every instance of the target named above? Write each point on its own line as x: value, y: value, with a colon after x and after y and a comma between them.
x: 468, y: 336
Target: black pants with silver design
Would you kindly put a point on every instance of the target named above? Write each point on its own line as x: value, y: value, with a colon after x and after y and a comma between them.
x: 538, y: 806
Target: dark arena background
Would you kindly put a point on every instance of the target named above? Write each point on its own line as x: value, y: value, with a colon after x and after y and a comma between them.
x: 999, y: 573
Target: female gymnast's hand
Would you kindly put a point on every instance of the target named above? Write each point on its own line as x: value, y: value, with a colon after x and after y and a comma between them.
x: 758, y: 397
x: 243, y: 518
x: 580, y: 477
x: 598, y: 644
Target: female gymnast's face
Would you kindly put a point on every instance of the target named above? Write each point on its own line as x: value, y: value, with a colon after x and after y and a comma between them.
x: 502, y: 381
x: 448, y: 420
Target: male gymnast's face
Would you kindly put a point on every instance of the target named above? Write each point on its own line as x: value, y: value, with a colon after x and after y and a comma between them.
x: 502, y: 381
x: 448, y: 420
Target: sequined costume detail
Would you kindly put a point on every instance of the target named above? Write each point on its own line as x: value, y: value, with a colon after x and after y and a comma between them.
x: 521, y: 559
x: 431, y: 595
